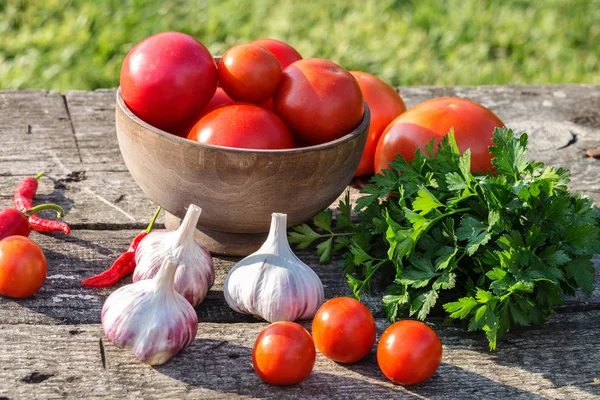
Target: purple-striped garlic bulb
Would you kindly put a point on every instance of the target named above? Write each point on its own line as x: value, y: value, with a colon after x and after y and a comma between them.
x: 273, y: 283
x: 196, y: 273
x: 150, y: 318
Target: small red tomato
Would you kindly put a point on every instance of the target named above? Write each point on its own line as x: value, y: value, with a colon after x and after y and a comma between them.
x: 22, y: 267
x: 344, y: 330
x: 409, y: 352
x: 219, y: 99
x: 248, y: 72
x: 167, y: 79
x: 319, y: 100
x: 285, y: 53
x: 283, y: 354
x: 385, y: 104
x: 268, y: 105
x: 473, y: 129
x: 244, y: 126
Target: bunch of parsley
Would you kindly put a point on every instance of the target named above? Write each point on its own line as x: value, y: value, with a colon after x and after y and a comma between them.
x: 498, y: 248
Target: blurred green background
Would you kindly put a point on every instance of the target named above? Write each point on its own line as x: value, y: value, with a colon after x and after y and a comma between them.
x: 65, y: 45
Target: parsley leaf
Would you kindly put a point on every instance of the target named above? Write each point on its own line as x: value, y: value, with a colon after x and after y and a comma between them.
x: 499, y: 248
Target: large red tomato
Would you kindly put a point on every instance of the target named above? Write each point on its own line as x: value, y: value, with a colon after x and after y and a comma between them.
x: 473, y: 129
x: 22, y: 267
x: 246, y: 126
x: 285, y: 53
x: 283, y: 354
x: 248, y: 72
x: 167, y: 79
x: 409, y: 352
x: 385, y: 104
x: 344, y: 330
x: 319, y: 100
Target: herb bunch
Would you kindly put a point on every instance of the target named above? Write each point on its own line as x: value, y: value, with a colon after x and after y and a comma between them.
x: 501, y: 247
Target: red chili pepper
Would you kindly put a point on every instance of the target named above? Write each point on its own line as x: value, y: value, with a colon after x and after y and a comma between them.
x: 23, y: 199
x: 124, y: 265
x: 14, y: 222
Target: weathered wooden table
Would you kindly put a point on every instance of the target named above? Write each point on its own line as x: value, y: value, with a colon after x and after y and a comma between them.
x: 51, y: 345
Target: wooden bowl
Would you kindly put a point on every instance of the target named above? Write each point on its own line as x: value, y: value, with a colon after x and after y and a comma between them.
x: 238, y: 189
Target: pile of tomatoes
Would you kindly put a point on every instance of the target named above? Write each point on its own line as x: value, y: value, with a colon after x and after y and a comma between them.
x: 409, y: 352
x: 260, y: 95
x: 264, y: 95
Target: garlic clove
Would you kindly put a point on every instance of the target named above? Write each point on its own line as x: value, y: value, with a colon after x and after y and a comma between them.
x: 273, y: 283
x: 150, y: 318
x: 195, y: 275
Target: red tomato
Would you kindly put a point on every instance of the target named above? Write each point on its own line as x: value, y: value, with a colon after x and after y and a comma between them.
x: 22, y: 267
x: 244, y: 126
x: 473, y: 129
x: 268, y: 105
x: 285, y: 53
x: 319, y: 100
x: 284, y: 354
x: 409, y: 352
x: 167, y: 79
x: 248, y: 72
x: 218, y: 100
x: 385, y: 104
x: 344, y: 330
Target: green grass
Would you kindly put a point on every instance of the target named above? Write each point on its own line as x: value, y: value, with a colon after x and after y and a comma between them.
x: 64, y: 45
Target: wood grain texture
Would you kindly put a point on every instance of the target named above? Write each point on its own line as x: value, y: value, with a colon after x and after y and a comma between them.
x: 547, y: 363
x: 49, y: 344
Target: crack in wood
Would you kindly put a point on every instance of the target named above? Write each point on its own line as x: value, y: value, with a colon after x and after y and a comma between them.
x: 66, y: 103
x: 36, y: 377
x: 572, y: 141
x: 102, y: 354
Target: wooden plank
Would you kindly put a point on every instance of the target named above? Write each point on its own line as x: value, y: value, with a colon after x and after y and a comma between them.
x: 84, y: 253
x: 538, y: 363
x: 36, y: 131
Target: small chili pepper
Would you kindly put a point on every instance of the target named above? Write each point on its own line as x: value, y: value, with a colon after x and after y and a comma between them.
x: 123, y: 265
x: 23, y: 200
x: 15, y: 222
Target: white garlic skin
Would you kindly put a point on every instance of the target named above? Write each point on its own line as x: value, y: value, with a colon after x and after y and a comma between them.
x: 196, y: 272
x: 150, y: 318
x: 273, y: 283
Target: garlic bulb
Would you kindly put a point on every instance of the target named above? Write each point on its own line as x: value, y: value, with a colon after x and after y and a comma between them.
x: 196, y: 272
x: 150, y: 317
x: 273, y: 283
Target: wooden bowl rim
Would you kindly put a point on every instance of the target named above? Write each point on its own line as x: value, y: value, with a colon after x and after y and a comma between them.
x: 362, y: 127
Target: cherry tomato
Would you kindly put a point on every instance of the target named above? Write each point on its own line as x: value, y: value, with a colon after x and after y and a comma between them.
x: 385, y: 104
x: 285, y: 53
x: 319, y: 100
x: 344, y: 330
x: 167, y: 79
x: 284, y: 354
x: 473, y: 129
x: 248, y: 72
x: 409, y: 352
x: 244, y: 126
x: 22, y: 267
